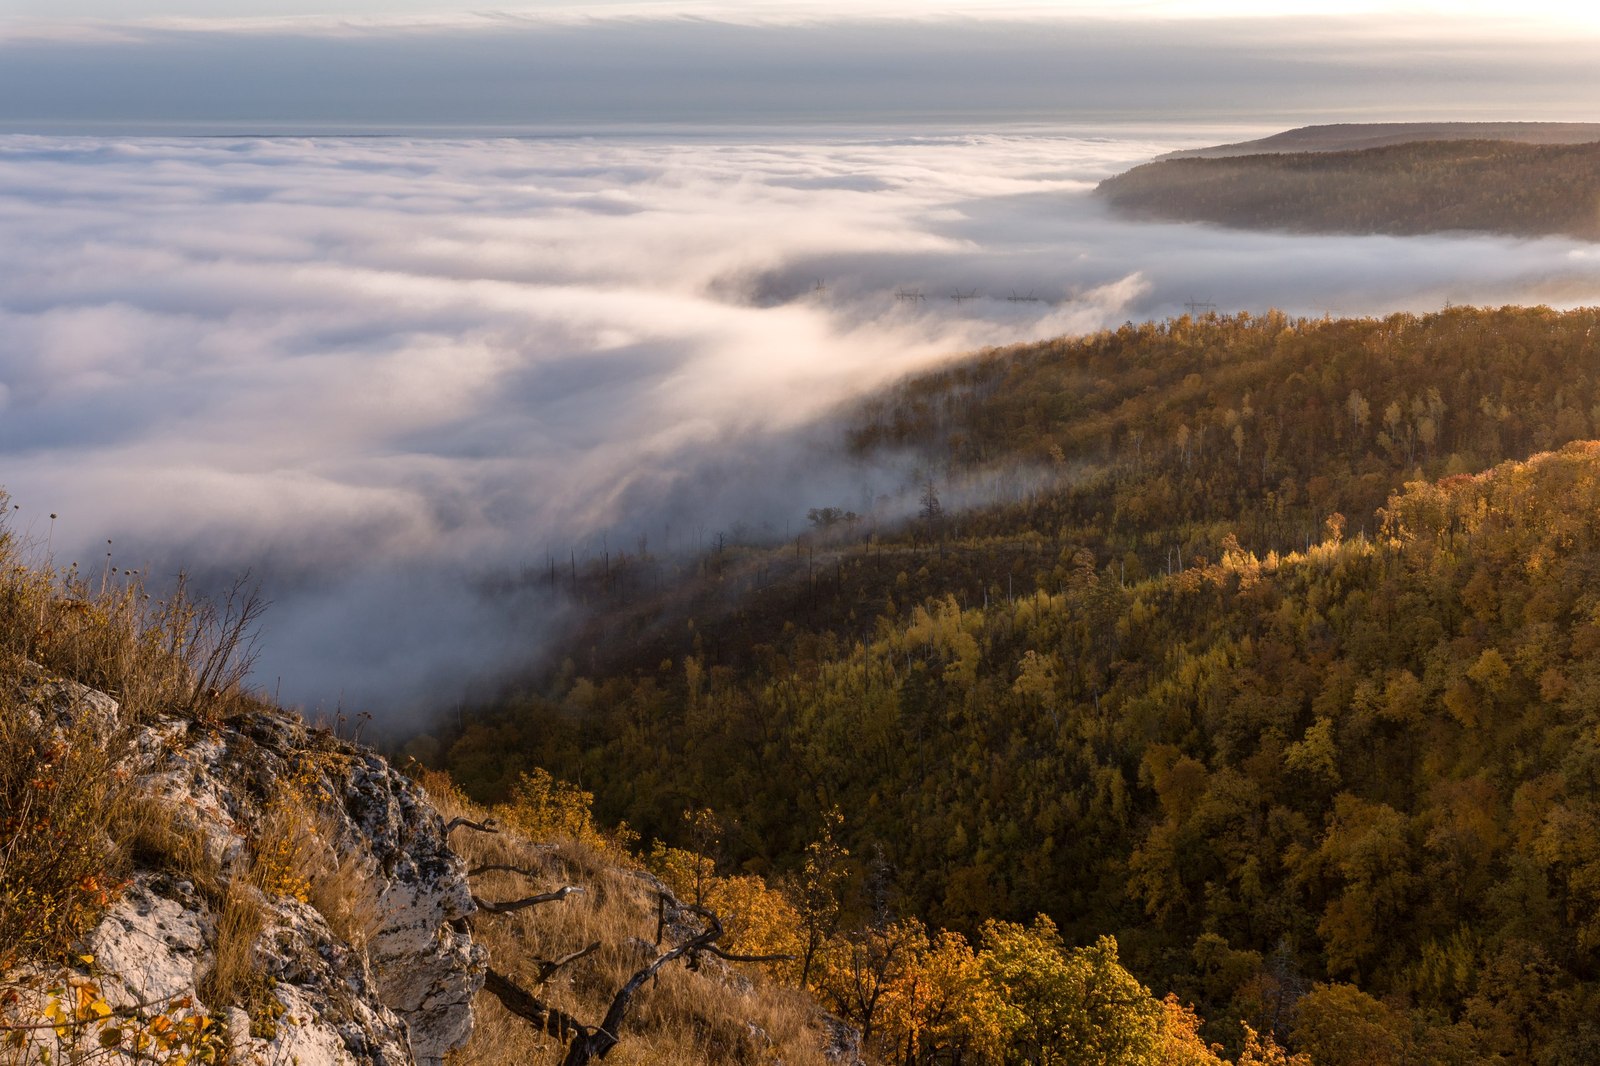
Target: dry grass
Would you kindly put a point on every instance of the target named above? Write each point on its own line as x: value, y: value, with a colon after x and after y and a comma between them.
x: 178, y: 654
x: 68, y: 822
x: 339, y: 886
x: 233, y: 977
x: 294, y: 853
x: 722, y: 1014
x: 58, y: 865
x: 154, y: 835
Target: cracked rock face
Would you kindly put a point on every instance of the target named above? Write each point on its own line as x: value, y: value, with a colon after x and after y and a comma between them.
x: 392, y: 985
x: 422, y: 896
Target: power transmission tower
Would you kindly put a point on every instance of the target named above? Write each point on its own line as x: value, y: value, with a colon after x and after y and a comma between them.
x: 960, y: 297
x: 1196, y: 306
x: 1028, y: 299
x: 909, y: 295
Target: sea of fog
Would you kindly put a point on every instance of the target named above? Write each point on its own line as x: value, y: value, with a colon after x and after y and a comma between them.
x: 381, y: 372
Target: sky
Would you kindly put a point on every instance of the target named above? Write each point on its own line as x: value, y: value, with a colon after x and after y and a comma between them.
x: 365, y: 65
x: 1556, y: 13
x: 389, y: 374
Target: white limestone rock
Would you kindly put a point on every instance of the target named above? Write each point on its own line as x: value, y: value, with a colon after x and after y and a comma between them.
x: 400, y: 995
x: 153, y: 945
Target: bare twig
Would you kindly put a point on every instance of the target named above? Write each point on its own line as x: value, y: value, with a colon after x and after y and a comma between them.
x: 547, y: 969
x: 731, y: 957
x: 224, y: 646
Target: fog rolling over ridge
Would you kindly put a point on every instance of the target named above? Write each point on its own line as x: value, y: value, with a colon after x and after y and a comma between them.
x: 384, y: 373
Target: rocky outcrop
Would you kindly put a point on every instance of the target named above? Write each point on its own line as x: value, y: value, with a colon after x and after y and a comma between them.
x: 312, y: 875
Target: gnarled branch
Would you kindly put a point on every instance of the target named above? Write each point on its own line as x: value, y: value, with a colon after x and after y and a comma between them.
x: 588, y: 1043
x: 598, y: 1042
x: 487, y: 826
x: 710, y: 949
x: 518, y: 904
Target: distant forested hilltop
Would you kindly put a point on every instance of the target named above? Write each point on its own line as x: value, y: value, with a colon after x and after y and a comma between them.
x: 1352, y: 136
x: 1526, y: 190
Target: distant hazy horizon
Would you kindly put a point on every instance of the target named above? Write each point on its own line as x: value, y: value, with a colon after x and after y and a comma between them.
x: 556, y: 68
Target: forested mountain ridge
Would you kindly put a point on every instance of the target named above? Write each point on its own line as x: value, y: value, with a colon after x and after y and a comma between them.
x: 1527, y: 190
x: 1351, y: 136
x: 1162, y: 433
x: 1146, y: 444
x: 1329, y: 789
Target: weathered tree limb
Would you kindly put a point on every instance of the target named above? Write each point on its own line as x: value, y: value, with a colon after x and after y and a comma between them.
x: 589, y: 1044
x: 487, y: 826
x: 518, y: 1001
x: 518, y: 904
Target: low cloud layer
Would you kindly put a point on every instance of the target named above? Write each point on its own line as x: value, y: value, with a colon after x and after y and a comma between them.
x: 381, y: 371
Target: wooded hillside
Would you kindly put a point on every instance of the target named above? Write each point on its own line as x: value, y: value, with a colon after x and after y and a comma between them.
x: 1253, y: 670
x: 1524, y: 190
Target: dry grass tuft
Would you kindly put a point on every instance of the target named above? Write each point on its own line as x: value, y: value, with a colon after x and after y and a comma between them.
x: 293, y: 853
x: 58, y: 865
x: 68, y: 821
x: 155, y: 836
x: 182, y: 653
x: 233, y: 972
x: 339, y: 885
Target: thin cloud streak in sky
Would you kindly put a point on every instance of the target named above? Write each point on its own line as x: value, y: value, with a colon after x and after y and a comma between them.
x: 383, y: 372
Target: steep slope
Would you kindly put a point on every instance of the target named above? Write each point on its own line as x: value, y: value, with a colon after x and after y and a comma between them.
x: 1145, y: 699
x: 1364, y: 765
x: 1146, y: 445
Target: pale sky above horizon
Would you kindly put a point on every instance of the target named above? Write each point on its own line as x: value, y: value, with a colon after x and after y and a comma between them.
x: 1472, y: 18
x: 309, y: 65
x: 1459, y: 13
x: 377, y: 65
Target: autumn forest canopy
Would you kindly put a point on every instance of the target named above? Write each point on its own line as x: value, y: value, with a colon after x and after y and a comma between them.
x: 1273, y: 658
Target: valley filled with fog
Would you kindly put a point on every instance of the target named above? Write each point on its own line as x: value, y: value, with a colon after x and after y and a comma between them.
x: 384, y: 373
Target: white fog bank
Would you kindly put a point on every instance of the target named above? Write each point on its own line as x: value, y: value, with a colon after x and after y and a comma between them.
x: 376, y: 370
